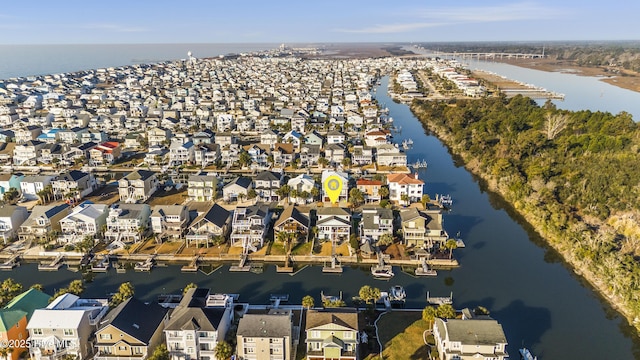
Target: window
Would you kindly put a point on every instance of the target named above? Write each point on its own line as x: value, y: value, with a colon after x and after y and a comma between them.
x: 249, y: 340
x: 105, y: 336
x: 36, y: 331
x: 189, y: 336
x: 348, y: 335
x: 249, y: 350
x: 122, y: 348
x: 190, y: 350
x: 68, y: 332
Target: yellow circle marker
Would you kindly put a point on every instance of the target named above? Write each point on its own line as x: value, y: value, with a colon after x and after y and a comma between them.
x: 333, y: 187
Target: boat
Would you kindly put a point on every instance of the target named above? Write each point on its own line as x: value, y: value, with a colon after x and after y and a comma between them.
x: 419, y: 164
x: 382, y: 272
x: 444, y: 200
x: 397, y: 293
x: 525, y: 354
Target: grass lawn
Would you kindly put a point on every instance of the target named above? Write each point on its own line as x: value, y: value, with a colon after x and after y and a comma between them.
x: 325, y: 249
x: 276, y: 249
x: 302, y: 249
x: 400, y: 333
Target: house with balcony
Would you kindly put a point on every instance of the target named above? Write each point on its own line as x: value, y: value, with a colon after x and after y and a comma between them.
x: 86, y: 219
x: 215, y: 222
x: 130, y: 331
x: 249, y: 226
x: 265, y: 336
x: 158, y: 136
x: 405, y: 188
x: 236, y: 188
x: 335, y: 153
x: 481, y: 338
x: 423, y: 228
x: 302, y: 183
x: 73, y: 184
x: 169, y: 221
x: 31, y: 185
x: 283, y: 154
x: 14, y: 318
x: 292, y: 220
x: 105, y: 153
x: 127, y: 223
x: 334, y: 224
x: 138, y: 186
x: 27, y: 133
x: 65, y: 328
x: 376, y: 221
x: 336, y: 137
x: 309, y: 155
x: 43, y: 221
x: 10, y: 181
x: 197, y: 324
x: 344, y: 193
x: 269, y: 137
x: 266, y: 184
x: 333, y: 334
x: 202, y: 187
x: 369, y: 189
x: 181, y: 153
x: 27, y: 153
x: 206, y: 154
x: 11, y: 217
x: 390, y: 155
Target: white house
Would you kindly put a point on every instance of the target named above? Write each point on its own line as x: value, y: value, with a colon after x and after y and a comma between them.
x: 11, y: 217
x: 405, y: 184
x: 85, y: 219
x: 31, y: 185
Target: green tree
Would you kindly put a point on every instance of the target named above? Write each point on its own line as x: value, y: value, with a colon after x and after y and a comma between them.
x: 160, y: 353
x: 10, y: 195
x: 429, y: 313
x: 5, y: 352
x: 446, y: 311
x: 451, y: 244
x: 283, y: 192
x: 244, y: 158
x: 286, y: 238
x: 369, y: 294
x: 383, y: 192
x: 251, y: 194
x: 385, y: 239
x: 353, y: 242
x: 76, y: 287
x: 323, y: 161
x: 308, y: 302
x: 223, y: 350
x: 425, y: 200
x: 346, y: 162
x: 189, y: 286
x: 355, y: 197
x: 125, y: 291
x: 404, y: 198
x: 37, y: 287
x: 315, y: 192
x: 8, y: 290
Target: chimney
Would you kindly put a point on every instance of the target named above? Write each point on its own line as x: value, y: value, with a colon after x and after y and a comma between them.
x: 415, y: 176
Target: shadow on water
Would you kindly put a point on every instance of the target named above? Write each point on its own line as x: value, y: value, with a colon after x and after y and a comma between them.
x: 537, y: 320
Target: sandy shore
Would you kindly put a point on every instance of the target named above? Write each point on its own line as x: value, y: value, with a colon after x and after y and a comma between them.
x: 617, y: 77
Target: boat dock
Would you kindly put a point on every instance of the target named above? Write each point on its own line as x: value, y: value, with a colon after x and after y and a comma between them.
x: 52, y: 266
x: 193, y: 265
x: 11, y: 262
x: 101, y: 265
x: 334, y: 267
x: 425, y: 270
x: 242, y: 266
x: 277, y: 299
x: 147, y: 265
x: 439, y: 300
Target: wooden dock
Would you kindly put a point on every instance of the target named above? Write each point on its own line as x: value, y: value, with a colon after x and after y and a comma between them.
x: 147, y: 265
x: 439, y: 300
x: 425, y: 270
x: 334, y: 267
x: 242, y: 266
x: 11, y: 263
x: 53, y: 265
x: 193, y: 265
x: 101, y: 265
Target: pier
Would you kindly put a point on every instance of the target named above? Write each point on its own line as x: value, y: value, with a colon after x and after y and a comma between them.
x: 440, y: 300
x: 101, y: 265
x: 11, y: 262
x: 53, y: 265
x: 425, y: 270
x: 242, y: 266
x: 147, y: 265
x: 334, y: 267
x: 192, y: 266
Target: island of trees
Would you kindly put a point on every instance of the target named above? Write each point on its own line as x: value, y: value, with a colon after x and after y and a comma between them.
x: 572, y: 175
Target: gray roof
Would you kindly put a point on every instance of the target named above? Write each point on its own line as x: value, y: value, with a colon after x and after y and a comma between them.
x: 368, y: 217
x: 139, y: 175
x: 217, y: 215
x: 191, y: 313
x: 8, y: 210
x: 241, y: 181
x: 268, y: 176
x: 292, y: 212
x: 164, y: 210
x: 265, y: 325
x: 347, y: 317
x: 136, y: 318
x: 73, y: 175
x: 331, y: 210
x: 473, y: 332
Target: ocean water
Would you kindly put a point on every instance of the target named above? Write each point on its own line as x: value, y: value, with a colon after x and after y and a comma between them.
x: 26, y: 60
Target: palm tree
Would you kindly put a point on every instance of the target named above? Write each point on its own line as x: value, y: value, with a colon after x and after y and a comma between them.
x: 308, y: 302
x: 223, y: 350
x: 383, y: 192
x: 404, y: 198
x: 5, y: 352
x: 429, y: 314
x: 451, y: 244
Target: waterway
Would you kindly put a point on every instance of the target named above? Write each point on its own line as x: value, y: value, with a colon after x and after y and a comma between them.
x: 504, y: 268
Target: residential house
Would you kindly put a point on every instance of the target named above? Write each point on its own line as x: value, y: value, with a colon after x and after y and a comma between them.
x: 11, y: 217
x: 225, y: 139
x: 309, y: 155
x: 376, y: 137
x: 405, y: 188
x: 27, y: 133
x: 127, y: 223
x: 6, y: 153
x: 269, y: 137
x: 283, y: 154
x: 86, y: 219
x: 336, y: 137
x: 481, y: 338
x: 249, y: 226
x: 334, y: 224
x: 158, y: 136
x: 197, y: 324
x: 335, y: 153
x: 52, y: 154
x: 31, y: 185
x: 105, y: 153
x: 43, y: 221
x: 65, y: 328
x: 27, y: 153
x: 267, y: 184
x: 265, y: 336
x: 293, y: 137
x: 73, y: 184
x: 302, y: 183
x: 375, y: 222
x: 130, y: 331
x: 344, y: 193
x: 202, y: 187
x: 333, y: 334
x: 423, y: 228
x: 203, y: 137
x: 369, y: 189
x: 292, y: 220
x: 237, y: 188
x: 211, y: 224
x: 225, y: 122
x: 71, y: 136
x: 362, y: 155
x: 10, y: 181
x: 314, y: 138
x: 206, y: 154
x: 389, y: 155
x: 169, y: 220
x: 181, y: 153
x: 137, y: 186
x: 14, y: 318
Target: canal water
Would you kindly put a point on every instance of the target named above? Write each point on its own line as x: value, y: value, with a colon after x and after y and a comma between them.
x: 504, y: 268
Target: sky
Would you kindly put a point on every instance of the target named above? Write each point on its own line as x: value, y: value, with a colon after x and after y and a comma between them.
x: 303, y: 21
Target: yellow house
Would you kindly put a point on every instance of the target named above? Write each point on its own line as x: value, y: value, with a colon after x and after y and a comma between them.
x: 333, y: 334
x: 130, y: 331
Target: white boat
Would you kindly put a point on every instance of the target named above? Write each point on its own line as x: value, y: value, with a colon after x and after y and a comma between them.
x: 397, y: 293
x: 525, y: 354
x: 382, y: 272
